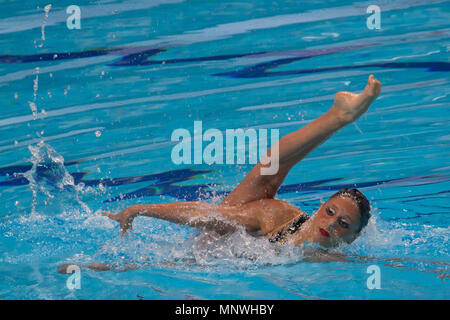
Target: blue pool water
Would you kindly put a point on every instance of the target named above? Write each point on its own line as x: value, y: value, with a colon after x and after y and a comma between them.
x: 86, y: 122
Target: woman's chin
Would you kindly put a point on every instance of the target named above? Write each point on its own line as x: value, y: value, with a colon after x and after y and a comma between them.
x: 326, y: 242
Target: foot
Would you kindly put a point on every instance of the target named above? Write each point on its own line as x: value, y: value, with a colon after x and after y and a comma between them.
x: 350, y: 106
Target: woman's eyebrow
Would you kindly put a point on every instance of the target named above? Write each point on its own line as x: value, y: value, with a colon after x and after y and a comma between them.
x: 347, y: 217
x: 338, y: 209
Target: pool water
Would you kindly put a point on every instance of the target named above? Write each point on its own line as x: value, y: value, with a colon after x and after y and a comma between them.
x: 87, y: 116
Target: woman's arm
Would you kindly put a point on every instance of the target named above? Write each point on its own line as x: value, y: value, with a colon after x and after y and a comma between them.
x: 191, y: 213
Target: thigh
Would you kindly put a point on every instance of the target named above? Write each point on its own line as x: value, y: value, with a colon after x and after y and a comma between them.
x: 256, y: 186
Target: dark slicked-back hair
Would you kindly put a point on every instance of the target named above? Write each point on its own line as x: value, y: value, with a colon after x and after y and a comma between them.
x: 360, y: 200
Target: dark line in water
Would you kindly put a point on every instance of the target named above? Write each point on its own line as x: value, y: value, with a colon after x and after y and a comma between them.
x: 131, y: 56
x: 166, y: 182
x: 143, y: 62
x: 140, y: 57
x: 421, y: 196
x: 263, y: 70
x: 417, y: 216
x: 54, y: 56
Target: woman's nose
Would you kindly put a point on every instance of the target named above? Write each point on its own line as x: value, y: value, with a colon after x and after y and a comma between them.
x: 332, y: 226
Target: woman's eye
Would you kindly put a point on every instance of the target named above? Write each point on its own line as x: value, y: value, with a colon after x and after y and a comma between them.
x: 330, y: 211
x: 343, y: 224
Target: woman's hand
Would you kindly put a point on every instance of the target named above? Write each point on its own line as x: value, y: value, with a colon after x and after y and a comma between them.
x: 125, y: 218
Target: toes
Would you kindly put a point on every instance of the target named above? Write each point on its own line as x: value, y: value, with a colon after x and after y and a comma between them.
x: 373, y: 81
x: 373, y: 86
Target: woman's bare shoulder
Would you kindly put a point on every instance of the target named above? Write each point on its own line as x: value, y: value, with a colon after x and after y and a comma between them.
x: 274, y: 213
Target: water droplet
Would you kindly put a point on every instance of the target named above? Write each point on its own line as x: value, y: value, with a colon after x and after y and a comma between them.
x: 33, y: 109
x: 47, y: 9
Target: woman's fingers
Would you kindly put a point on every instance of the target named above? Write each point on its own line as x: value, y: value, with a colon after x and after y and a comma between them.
x: 109, y: 215
x: 112, y: 216
x: 124, y: 224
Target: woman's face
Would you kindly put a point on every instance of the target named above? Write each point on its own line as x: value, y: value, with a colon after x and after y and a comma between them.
x: 337, y: 220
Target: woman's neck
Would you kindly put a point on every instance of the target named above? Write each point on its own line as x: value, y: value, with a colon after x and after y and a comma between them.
x: 304, y: 234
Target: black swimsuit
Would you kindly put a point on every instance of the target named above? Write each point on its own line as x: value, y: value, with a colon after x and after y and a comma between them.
x: 281, y: 236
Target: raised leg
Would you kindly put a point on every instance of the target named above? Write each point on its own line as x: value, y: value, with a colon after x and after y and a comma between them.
x: 293, y: 147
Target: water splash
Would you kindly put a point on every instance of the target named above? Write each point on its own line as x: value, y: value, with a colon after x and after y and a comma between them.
x: 53, y: 188
x: 402, y: 245
x: 46, y: 10
x: 32, y: 104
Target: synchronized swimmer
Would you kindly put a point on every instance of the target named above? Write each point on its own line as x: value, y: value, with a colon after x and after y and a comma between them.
x: 252, y: 205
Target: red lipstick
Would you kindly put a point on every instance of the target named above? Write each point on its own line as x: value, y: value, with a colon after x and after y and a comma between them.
x: 324, y: 232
